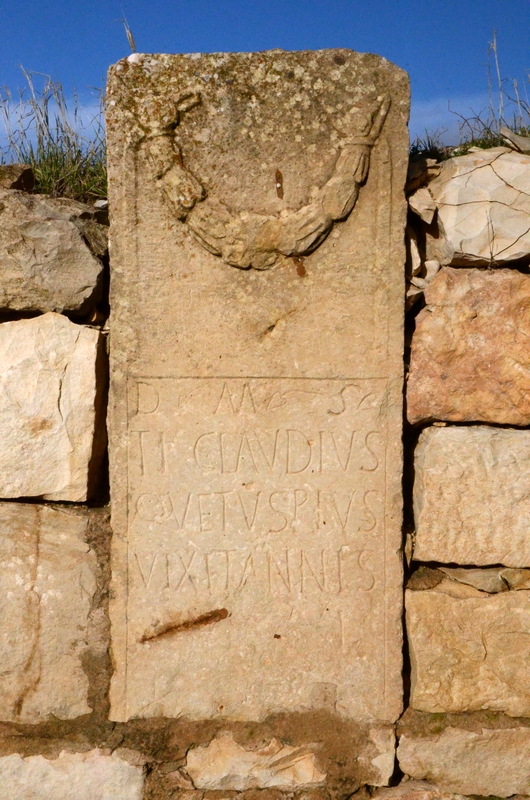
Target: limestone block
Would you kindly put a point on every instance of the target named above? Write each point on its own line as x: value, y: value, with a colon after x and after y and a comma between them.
x: 489, y: 762
x: 46, y: 263
x: 17, y: 176
x: 255, y: 411
x: 52, y: 436
x: 224, y: 764
x: 47, y: 581
x: 492, y: 580
x: 414, y: 790
x: 514, y: 141
x: 483, y: 205
x: 472, y: 496
x: 470, y: 348
x: 421, y: 171
x: 71, y: 776
x: 422, y: 203
x: 469, y: 650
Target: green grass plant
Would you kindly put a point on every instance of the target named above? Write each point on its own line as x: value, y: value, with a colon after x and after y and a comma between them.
x: 43, y: 129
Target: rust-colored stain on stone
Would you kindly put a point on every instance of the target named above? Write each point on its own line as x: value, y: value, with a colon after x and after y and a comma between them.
x: 279, y: 184
x: 300, y: 269
x: 176, y: 627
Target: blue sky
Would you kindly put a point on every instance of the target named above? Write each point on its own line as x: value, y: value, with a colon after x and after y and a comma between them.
x: 442, y: 44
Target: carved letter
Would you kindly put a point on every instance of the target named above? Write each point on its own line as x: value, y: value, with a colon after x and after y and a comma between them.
x: 146, y: 580
x: 154, y: 507
x: 297, y: 461
x: 249, y: 519
x: 207, y: 452
x: 227, y: 404
x: 148, y: 398
x: 277, y: 510
x: 285, y: 576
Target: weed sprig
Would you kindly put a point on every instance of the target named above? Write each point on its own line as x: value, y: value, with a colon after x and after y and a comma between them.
x: 481, y: 129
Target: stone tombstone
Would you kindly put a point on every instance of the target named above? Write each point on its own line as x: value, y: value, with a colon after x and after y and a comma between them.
x: 257, y: 218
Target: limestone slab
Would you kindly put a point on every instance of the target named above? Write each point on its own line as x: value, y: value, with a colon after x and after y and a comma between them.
x: 47, y: 580
x: 414, y: 790
x: 483, y: 202
x: 514, y: 141
x: 422, y: 203
x: 489, y: 762
x: 52, y: 436
x: 421, y: 170
x: 492, y: 580
x: 257, y: 295
x: 223, y: 764
x: 469, y: 349
x: 71, y: 776
x: 469, y: 650
x: 46, y: 263
x: 472, y: 496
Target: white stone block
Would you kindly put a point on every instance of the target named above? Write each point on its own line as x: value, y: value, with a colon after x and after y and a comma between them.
x: 72, y: 776
x: 51, y: 434
x: 472, y: 496
x: 47, y: 581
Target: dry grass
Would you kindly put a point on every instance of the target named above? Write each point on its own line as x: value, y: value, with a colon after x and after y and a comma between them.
x: 506, y: 107
x: 44, y: 130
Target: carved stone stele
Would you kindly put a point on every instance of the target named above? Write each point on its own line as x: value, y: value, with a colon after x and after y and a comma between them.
x: 256, y: 412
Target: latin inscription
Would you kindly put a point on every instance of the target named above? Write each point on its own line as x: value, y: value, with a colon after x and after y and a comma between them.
x: 253, y: 487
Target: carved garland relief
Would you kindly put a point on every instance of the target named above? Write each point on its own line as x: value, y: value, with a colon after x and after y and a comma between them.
x: 243, y: 239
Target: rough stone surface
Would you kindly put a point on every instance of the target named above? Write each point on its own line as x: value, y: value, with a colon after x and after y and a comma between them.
x: 483, y: 207
x: 514, y: 141
x: 422, y: 203
x: 487, y: 762
x: 51, y: 432
x: 46, y: 263
x: 414, y: 790
x: 257, y: 572
x: 47, y: 581
x: 493, y: 580
x: 16, y: 176
x: 470, y: 349
x: 223, y: 764
x: 472, y: 496
x: 469, y: 650
x: 420, y: 172
x: 72, y: 776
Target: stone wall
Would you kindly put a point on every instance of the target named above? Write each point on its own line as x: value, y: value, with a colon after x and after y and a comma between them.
x: 253, y: 566
x: 468, y: 385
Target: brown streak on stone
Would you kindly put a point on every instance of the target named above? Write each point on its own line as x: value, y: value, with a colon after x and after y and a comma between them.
x: 175, y: 627
x: 279, y: 184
